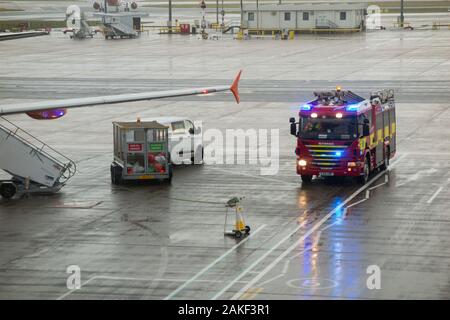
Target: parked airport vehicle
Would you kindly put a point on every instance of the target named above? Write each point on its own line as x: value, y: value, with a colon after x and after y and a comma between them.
x: 117, y: 22
x: 77, y: 24
x: 185, y: 143
x: 340, y: 133
x: 141, y: 152
x: 15, y: 148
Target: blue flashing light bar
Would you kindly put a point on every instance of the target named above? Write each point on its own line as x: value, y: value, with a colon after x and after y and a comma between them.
x: 338, y: 153
x: 306, y: 107
x: 352, y: 107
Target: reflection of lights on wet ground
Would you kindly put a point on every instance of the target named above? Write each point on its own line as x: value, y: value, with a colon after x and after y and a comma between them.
x: 339, y: 214
x: 302, y: 200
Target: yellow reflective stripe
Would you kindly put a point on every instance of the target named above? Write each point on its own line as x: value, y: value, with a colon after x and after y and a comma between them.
x: 379, y: 136
x: 362, y: 143
x: 386, y: 131
x: 326, y: 163
x: 324, y: 150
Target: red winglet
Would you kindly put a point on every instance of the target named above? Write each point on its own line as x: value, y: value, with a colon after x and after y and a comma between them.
x: 234, y: 87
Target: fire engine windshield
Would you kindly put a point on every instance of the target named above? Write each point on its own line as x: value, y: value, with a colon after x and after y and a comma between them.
x: 328, y: 128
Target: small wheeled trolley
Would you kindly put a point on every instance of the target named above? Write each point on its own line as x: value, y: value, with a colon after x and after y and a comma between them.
x: 240, y: 228
x: 141, y: 152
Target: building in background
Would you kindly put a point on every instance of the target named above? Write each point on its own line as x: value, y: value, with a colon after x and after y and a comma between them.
x: 317, y: 16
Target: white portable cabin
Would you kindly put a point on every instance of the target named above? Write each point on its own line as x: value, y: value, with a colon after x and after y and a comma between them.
x: 317, y: 15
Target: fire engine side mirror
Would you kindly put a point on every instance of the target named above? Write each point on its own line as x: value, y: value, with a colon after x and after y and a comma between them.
x: 293, y: 126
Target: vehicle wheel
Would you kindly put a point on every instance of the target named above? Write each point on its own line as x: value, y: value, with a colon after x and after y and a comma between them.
x: 385, y: 164
x: 8, y: 190
x: 306, y: 179
x: 237, y: 234
x: 247, y: 229
x: 364, y: 178
x: 169, y: 180
x: 197, y: 158
x: 116, y: 174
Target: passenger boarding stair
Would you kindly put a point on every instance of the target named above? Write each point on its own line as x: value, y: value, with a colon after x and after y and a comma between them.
x: 119, y: 28
x: 325, y: 24
x: 231, y: 26
x: 33, y: 165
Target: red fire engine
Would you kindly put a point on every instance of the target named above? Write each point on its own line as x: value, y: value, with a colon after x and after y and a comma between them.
x: 340, y: 133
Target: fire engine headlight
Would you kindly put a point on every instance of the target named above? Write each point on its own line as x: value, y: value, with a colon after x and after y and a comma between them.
x: 351, y: 164
x: 302, y: 163
x: 339, y: 115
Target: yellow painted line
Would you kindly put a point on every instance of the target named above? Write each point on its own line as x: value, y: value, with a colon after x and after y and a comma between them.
x: 250, y: 293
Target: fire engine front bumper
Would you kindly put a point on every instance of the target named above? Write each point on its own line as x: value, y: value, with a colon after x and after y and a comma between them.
x: 353, y: 171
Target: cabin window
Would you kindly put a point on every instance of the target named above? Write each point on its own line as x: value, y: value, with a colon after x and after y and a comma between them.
x: 287, y: 16
x: 251, y: 16
x: 305, y: 16
x: 343, y: 15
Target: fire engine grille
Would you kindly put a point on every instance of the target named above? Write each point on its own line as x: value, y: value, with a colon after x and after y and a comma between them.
x: 326, y: 156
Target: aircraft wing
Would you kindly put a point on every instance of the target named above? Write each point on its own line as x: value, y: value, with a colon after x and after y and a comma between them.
x: 92, y: 101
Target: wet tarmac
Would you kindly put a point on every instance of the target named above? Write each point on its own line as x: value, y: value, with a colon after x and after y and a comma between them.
x: 167, y: 241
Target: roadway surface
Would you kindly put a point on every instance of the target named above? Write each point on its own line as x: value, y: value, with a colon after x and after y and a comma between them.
x: 167, y: 242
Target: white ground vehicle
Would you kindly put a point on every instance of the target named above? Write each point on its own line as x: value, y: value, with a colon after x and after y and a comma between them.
x: 185, y: 140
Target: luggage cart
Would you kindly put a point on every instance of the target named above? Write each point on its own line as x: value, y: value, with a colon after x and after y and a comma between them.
x: 141, y: 152
x: 240, y: 228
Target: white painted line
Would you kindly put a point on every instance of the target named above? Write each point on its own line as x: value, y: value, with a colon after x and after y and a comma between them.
x: 298, y: 242
x: 435, y: 194
x: 73, y: 290
x: 292, y: 247
x: 136, y: 279
x: 205, y: 269
x: 400, y: 158
x: 356, y: 203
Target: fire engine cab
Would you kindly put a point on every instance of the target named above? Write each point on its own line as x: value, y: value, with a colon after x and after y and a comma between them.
x: 340, y: 133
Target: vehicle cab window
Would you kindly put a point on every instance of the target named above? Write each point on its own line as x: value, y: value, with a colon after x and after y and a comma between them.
x: 178, y: 127
x: 189, y: 125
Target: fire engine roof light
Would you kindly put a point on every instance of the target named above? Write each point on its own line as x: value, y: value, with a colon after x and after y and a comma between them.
x: 352, y: 107
x: 305, y: 107
x: 339, y: 115
x: 313, y: 115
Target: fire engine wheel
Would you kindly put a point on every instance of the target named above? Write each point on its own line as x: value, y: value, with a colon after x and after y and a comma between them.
x: 8, y: 190
x: 364, y: 178
x: 237, y: 234
x: 247, y: 229
x: 385, y: 164
x: 306, y: 179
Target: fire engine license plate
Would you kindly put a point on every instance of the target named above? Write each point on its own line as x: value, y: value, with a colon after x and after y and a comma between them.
x: 326, y: 174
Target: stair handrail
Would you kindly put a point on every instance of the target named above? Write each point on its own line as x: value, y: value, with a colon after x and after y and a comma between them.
x: 70, y: 166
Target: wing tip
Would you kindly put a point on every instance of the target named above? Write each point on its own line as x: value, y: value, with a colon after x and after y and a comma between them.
x: 235, y: 87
